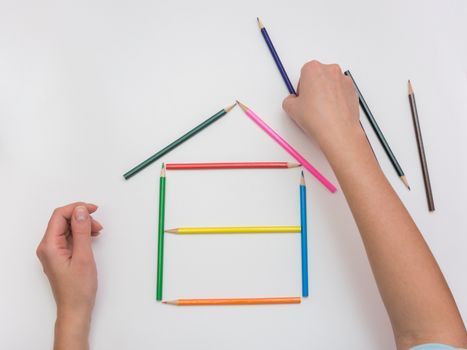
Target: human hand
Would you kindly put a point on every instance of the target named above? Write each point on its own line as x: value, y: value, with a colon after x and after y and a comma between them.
x: 68, y: 261
x: 326, y: 107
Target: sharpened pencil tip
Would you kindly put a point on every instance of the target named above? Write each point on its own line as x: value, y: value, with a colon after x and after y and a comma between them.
x: 404, y: 180
x: 163, y: 170
x: 302, y: 179
x: 172, y: 230
x: 229, y: 108
x: 242, y: 106
x: 410, y: 87
x: 260, y: 24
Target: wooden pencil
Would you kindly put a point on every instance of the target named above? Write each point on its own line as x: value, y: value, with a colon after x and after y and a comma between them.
x: 177, y: 142
x: 235, y: 229
x: 304, y: 236
x: 421, y: 149
x: 237, y: 301
x: 276, y: 58
x: 160, y: 237
x: 378, y: 132
x: 232, y: 165
x: 286, y: 146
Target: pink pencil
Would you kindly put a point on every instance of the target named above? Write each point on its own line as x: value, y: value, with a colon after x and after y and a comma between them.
x: 274, y: 135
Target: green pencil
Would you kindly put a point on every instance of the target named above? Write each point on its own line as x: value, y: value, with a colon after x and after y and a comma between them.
x: 160, y: 238
x: 177, y: 142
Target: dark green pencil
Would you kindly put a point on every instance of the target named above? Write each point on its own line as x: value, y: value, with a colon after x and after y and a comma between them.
x: 177, y: 142
x: 379, y: 133
x: 160, y: 237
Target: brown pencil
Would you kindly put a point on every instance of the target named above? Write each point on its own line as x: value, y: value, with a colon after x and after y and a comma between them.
x: 241, y: 301
x: 421, y: 149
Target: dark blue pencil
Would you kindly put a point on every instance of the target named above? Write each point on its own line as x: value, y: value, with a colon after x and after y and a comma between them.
x: 276, y: 57
x: 304, y: 233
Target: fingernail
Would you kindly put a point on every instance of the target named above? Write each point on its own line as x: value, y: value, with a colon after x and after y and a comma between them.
x: 81, y: 213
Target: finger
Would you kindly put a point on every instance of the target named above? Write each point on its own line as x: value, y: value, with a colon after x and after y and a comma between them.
x: 289, y: 104
x: 95, y: 226
x: 81, y: 233
x: 59, y: 221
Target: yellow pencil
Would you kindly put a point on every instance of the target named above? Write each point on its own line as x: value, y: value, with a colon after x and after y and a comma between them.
x: 236, y: 229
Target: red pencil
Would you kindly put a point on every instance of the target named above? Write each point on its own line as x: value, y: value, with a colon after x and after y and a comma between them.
x: 236, y: 165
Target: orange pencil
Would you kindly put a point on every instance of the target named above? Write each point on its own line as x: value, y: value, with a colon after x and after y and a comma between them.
x: 242, y: 301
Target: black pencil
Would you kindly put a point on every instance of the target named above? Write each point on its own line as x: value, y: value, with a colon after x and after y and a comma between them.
x: 421, y: 149
x: 379, y: 133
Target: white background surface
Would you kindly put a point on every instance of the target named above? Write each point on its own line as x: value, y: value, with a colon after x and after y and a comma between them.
x: 90, y: 88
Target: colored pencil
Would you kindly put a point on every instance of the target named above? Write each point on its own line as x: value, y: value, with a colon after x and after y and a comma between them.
x: 304, y: 238
x: 236, y: 229
x: 236, y: 165
x: 276, y: 58
x: 240, y: 301
x: 378, y: 132
x: 177, y: 142
x: 421, y: 149
x: 276, y: 137
x: 160, y: 239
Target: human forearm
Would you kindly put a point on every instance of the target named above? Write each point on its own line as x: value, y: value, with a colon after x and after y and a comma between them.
x: 413, y: 289
x: 72, y: 331
x: 417, y: 298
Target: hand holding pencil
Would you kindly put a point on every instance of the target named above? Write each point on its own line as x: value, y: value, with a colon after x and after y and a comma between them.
x: 326, y: 107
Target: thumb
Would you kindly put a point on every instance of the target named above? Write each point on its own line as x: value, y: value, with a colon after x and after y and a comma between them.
x: 289, y: 105
x: 81, y: 232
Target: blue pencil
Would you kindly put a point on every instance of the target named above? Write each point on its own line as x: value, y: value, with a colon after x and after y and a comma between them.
x: 304, y: 242
x: 276, y: 58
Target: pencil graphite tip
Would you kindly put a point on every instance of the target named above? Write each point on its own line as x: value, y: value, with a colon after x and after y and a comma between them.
x: 229, y: 108
x: 294, y: 165
x: 172, y: 230
x: 410, y: 87
x: 302, y: 179
x: 242, y: 106
x: 170, y: 302
x: 163, y: 170
x: 404, y: 180
x: 260, y: 24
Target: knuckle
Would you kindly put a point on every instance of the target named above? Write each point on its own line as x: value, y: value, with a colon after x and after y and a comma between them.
x: 335, y: 69
x: 43, y: 250
x: 40, y: 251
x: 311, y: 66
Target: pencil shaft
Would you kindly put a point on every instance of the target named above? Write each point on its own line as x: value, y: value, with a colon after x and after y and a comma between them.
x: 278, y: 61
x: 160, y: 239
x: 376, y: 128
x: 421, y: 152
x: 241, y: 301
x: 236, y: 165
x: 239, y: 229
x: 174, y: 144
x: 275, y: 136
x: 304, y: 240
